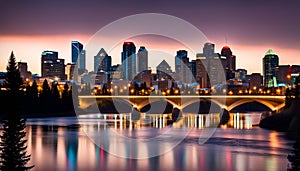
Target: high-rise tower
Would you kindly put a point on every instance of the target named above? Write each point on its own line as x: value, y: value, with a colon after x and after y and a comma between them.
x: 270, y: 62
x: 78, y: 55
x: 142, y: 59
x: 128, y: 58
x: 230, y: 62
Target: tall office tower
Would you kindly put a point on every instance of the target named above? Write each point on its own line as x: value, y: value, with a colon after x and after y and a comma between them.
x: 210, y: 68
x: 102, y: 61
x: 81, y: 61
x: 270, y: 62
x: 193, y: 66
x: 178, y: 59
x: 183, y: 67
x: 142, y: 59
x: 128, y: 58
x: 52, y: 66
x: 78, y: 52
x: 201, y: 73
x: 230, y: 62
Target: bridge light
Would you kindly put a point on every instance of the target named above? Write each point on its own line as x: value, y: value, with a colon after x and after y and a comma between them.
x: 230, y: 93
x: 278, y: 91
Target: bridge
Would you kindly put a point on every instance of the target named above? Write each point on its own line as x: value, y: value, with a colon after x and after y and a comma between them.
x: 229, y: 102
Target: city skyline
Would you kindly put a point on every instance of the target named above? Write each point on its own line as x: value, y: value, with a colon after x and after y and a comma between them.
x: 236, y: 25
x: 158, y: 53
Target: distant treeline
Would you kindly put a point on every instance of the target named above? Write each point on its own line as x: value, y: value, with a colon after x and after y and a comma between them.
x: 48, y: 101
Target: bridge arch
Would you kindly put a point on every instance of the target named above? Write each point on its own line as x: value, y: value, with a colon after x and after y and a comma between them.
x: 147, y: 102
x: 244, y: 101
x: 208, y: 99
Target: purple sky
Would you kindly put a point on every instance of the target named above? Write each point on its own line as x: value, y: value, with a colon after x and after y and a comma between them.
x: 248, y: 25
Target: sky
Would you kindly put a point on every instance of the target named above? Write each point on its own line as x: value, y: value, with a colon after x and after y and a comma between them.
x: 250, y: 28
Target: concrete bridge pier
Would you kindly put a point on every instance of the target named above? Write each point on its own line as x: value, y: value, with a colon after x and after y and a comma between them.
x: 135, y: 114
x: 176, y: 114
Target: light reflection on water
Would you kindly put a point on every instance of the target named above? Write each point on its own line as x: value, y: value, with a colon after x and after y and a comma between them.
x: 60, y: 144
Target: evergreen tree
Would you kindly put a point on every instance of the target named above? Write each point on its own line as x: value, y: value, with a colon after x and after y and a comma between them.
x: 66, y: 99
x: 34, y: 96
x: 55, y: 98
x: 13, y: 146
x: 13, y: 78
x: 45, y: 95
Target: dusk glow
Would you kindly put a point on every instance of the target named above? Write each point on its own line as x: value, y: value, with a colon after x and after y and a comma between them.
x: 249, y: 28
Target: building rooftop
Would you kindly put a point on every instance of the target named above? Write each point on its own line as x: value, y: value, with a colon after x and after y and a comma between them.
x: 270, y: 52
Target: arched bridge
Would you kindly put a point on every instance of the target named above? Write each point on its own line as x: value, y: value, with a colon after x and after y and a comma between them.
x: 228, y: 103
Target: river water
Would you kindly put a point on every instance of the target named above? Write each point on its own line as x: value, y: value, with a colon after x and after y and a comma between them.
x: 153, y: 142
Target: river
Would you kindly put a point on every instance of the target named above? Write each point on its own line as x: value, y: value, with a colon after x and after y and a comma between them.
x: 151, y: 142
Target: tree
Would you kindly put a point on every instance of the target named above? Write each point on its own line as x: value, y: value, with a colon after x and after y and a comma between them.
x: 13, y: 145
x: 55, y: 98
x: 66, y: 99
x: 44, y: 97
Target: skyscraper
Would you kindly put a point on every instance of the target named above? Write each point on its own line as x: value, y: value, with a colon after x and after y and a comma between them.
x: 128, y: 58
x: 102, y: 61
x: 270, y: 62
x: 142, y: 59
x: 178, y: 59
x: 183, y: 67
x: 52, y: 66
x: 213, y: 65
x: 78, y: 52
x: 230, y: 62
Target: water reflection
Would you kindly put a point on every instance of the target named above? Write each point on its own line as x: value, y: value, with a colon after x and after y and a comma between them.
x: 66, y: 147
x: 125, y: 121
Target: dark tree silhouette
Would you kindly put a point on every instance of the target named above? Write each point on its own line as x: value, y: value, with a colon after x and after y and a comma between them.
x: 74, y: 96
x: 55, y: 98
x: 34, y: 93
x: 288, y: 98
x: 45, y: 96
x: 66, y: 99
x: 13, y: 145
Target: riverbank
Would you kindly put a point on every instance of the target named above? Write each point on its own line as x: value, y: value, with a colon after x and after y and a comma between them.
x: 286, y: 121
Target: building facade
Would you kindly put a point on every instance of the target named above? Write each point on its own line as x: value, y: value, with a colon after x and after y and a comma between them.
x: 270, y: 62
x: 52, y: 66
x: 128, y: 58
x: 142, y: 59
x: 78, y: 55
x: 102, y: 61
